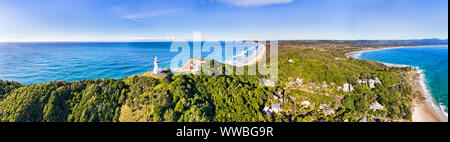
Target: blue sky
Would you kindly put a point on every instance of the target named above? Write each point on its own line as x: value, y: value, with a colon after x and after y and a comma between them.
x: 98, y: 20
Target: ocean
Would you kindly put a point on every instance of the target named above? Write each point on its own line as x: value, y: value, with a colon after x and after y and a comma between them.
x: 432, y: 60
x: 32, y: 63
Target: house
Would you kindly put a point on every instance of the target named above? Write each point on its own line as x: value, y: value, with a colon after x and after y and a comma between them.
x: 324, y: 85
x: 306, y: 103
x: 346, y: 87
x: 299, y: 81
x: 275, y: 97
x: 329, y: 111
x: 364, y: 119
x: 267, y: 82
x: 323, y: 106
x: 371, y: 83
x: 291, y: 61
x: 280, y: 93
x: 360, y: 81
x: 378, y: 81
x: 276, y: 107
x: 376, y: 106
x: 326, y: 109
x: 266, y: 109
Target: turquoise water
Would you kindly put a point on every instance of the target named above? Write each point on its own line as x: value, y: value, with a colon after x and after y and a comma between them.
x: 432, y: 60
x: 31, y: 63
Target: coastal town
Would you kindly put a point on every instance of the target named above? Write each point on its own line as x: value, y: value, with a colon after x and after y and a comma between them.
x: 325, y: 89
x: 287, y: 101
x: 284, y: 104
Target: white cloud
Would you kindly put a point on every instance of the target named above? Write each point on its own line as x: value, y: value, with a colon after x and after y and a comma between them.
x: 137, y: 17
x: 256, y: 3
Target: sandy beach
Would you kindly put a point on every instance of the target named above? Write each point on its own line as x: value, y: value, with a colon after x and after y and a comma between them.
x: 261, y: 54
x: 424, y: 109
x: 252, y: 61
x: 423, y: 112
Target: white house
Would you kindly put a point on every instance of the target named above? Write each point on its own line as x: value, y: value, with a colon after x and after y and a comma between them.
x: 376, y: 106
x: 275, y: 97
x: 377, y: 80
x: 346, y: 87
x: 323, y: 106
x: 299, y: 81
x: 306, y: 103
x: 372, y: 83
x: 360, y: 81
x: 276, y: 107
x: 267, y: 82
x: 266, y: 109
x: 324, y: 85
x: 291, y: 61
x: 329, y: 111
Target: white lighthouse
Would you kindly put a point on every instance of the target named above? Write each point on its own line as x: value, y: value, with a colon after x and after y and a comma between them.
x: 156, y: 69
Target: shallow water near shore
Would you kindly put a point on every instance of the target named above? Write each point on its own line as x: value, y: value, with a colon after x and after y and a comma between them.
x: 32, y: 63
x: 433, y: 60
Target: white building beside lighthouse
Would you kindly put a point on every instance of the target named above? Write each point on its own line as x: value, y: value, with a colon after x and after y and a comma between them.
x: 156, y: 69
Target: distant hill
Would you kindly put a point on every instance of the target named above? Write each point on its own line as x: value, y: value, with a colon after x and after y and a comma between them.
x: 433, y: 41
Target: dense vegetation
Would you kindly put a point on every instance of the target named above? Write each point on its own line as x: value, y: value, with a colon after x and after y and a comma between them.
x: 331, y: 66
x: 7, y: 87
x: 220, y: 98
x: 184, y: 98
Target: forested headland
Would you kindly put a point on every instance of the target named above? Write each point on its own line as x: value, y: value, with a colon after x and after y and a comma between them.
x: 321, y: 95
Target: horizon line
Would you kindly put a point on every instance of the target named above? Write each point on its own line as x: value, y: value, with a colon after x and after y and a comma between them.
x: 68, y: 41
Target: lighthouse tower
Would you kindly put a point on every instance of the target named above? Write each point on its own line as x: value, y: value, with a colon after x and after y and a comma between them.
x: 156, y: 69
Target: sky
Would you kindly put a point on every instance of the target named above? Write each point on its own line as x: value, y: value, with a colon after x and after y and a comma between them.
x: 122, y: 20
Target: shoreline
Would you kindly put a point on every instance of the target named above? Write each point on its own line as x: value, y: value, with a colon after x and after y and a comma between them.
x: 261, y: 53
x: 385, y: 48
x: 426, y: 109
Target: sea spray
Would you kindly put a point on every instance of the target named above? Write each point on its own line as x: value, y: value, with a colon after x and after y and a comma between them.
x: 428, y: 96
